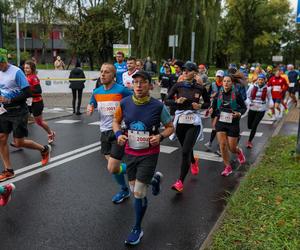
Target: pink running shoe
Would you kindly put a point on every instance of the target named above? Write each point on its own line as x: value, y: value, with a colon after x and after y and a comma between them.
x: 195, y: 167
x: 178, y: 186
x: 51, y: 137
x: 227, y: 171
x: 249, y: 144
x: 6, y: 196
x: 241, y: 156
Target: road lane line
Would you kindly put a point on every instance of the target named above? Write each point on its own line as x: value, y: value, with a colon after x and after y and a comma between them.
x: 52, y: 165
x: 167, y: 149
x: 58, y: 157
x: 202, y: 155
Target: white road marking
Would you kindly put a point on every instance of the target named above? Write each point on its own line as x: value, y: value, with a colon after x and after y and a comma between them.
x: 94, y: 123
x: 52, y: 165
x: 68, y: 121
x: 167, y: 149
x: 202, y: 155
x: 58, y: 157
x: 247, y: 133
x: 267, y: 122
x: 207, y: 130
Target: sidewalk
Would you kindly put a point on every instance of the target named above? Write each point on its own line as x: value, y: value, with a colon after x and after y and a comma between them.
x: 291, y: 123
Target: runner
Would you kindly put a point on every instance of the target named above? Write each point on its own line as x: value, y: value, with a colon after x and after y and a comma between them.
x: 106, y: 98
x: 141, y: 140
x: 14, y: 114
x: 260, y: 99
x: 229, y: 106
x: 120, y: 66
x: 178, y: 68
x: 293, y: 79
x: 37, y: 104
x: 5, y: 193
x: 139, y: 64
x: 127, y: 76
x: 166, y: 81
x: 213, y: 93
x: 187, y: 119
x: 279, y: 87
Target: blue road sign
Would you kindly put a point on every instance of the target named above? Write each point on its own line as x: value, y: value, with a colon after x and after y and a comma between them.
x: 298, y: 12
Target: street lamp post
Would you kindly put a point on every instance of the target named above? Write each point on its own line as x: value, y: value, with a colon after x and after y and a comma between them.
x: 18, y: 39
x: 129, y: 27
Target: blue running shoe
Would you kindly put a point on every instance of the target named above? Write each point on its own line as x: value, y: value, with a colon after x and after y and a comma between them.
x: 119, y: 197
x: 155, y: 182
x: 134, y: 237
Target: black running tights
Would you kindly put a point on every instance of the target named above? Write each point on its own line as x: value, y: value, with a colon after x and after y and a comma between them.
x: 79, y: 91
x: 254, y: 118
x: 187, y: 135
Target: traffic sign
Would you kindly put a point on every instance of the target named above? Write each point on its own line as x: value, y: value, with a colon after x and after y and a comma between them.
x: 173, y: 41
x: 277, y: 58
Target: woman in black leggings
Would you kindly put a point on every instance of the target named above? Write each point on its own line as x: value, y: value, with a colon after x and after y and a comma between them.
x: 260, y: 98
x: 187, y: 118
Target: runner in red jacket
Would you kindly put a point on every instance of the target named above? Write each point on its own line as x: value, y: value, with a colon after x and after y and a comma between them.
x: 279, y: 86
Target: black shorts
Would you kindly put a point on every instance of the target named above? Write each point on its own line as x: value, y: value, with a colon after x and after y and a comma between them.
x: 141, y: 168
x: 37, y: 108
x: 232, y: 130
x: 109, y: 145
x: 16, y: 122
x: 213, y: 114
x: 292, y: 90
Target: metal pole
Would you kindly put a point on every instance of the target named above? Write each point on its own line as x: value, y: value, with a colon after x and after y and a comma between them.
x: 18, y: 39
x: 173, y: 51
x: 129, y: 45
x: 1, y: 31
x: 193, y: 47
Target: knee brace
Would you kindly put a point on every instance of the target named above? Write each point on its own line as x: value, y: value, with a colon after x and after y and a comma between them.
x: 39, y: 121
x: 140, y: 190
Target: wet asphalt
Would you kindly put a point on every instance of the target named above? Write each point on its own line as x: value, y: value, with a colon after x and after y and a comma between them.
x: 69, y: 206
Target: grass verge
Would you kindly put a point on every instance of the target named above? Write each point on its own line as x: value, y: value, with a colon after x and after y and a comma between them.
x: 264, y: 213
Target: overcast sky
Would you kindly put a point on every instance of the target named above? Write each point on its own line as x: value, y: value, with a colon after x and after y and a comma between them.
x: 294, y: 5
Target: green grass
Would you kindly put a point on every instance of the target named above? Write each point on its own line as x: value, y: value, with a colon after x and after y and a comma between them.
x: 264, y: 213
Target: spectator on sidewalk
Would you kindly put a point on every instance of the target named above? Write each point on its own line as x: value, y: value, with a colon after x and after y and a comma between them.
x: 59, y: 64
x: 77, y: 86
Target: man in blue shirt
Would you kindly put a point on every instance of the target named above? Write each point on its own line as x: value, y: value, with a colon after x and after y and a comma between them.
x: 293, y: 82
x: 14, y: 90
x: 120, y: 66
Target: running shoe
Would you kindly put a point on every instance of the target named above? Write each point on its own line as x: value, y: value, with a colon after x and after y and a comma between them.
x: 134, y: 237
x: 13, y: 145
x: 178, y: 186
x: 5, y: 175
x: 46, y: 155
x: 270, y: 114
x: 155, y: 182
x: 208, y: 146
x: 249, y: 144
x: 195, y: 167
x: 227, y: 171
x: 121, y: 196
x: 51, y: 137
x: 241, y: 157
x: 218, y: 152
x: 5, y: 198
x: 286, y: 111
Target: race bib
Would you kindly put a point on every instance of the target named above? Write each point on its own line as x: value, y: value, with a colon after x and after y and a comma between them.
x: 2, y: 109
x: 277, y: 88
x: 292, y: 85
x: 164, y: 90
x: 138, y: 139
x: 107, y: 108
x: 29, y: 101
x: 225, y: 117
x: 186, y: 119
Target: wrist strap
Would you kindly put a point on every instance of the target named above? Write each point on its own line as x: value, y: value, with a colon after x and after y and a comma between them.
x: 118, y: 133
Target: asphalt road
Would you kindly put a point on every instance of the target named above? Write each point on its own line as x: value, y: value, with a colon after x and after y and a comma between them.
x: 67, y: 204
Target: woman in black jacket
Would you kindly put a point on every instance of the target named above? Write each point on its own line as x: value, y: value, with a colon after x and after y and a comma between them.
x: 77, y: 86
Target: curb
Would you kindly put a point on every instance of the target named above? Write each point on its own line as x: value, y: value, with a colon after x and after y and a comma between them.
x: 207, y: 242
x: 52, y: 118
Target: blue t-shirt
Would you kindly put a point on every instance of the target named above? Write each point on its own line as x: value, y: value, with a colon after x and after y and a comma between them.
x: 120, y: 68
x: 12, y: 81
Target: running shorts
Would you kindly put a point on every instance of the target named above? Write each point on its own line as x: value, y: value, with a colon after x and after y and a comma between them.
x: 232, y: 130
x: 141, y: 168
x: 277, y: 100
x: 109, y: 145
x: 37, y: 108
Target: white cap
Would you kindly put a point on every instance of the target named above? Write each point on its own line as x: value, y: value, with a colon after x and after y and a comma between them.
x: 252, y: 68
x: 220, y: 73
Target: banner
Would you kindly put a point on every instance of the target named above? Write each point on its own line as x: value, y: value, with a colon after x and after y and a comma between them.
x: 121, y: 47
x: 56, y: 81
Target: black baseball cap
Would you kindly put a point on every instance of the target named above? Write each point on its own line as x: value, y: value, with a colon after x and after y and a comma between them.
x: 143, y: 74
x: 190, y: 66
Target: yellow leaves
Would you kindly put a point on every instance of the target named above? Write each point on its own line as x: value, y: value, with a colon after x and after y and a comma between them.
x: 260, y: 198
x: 278, y: 200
